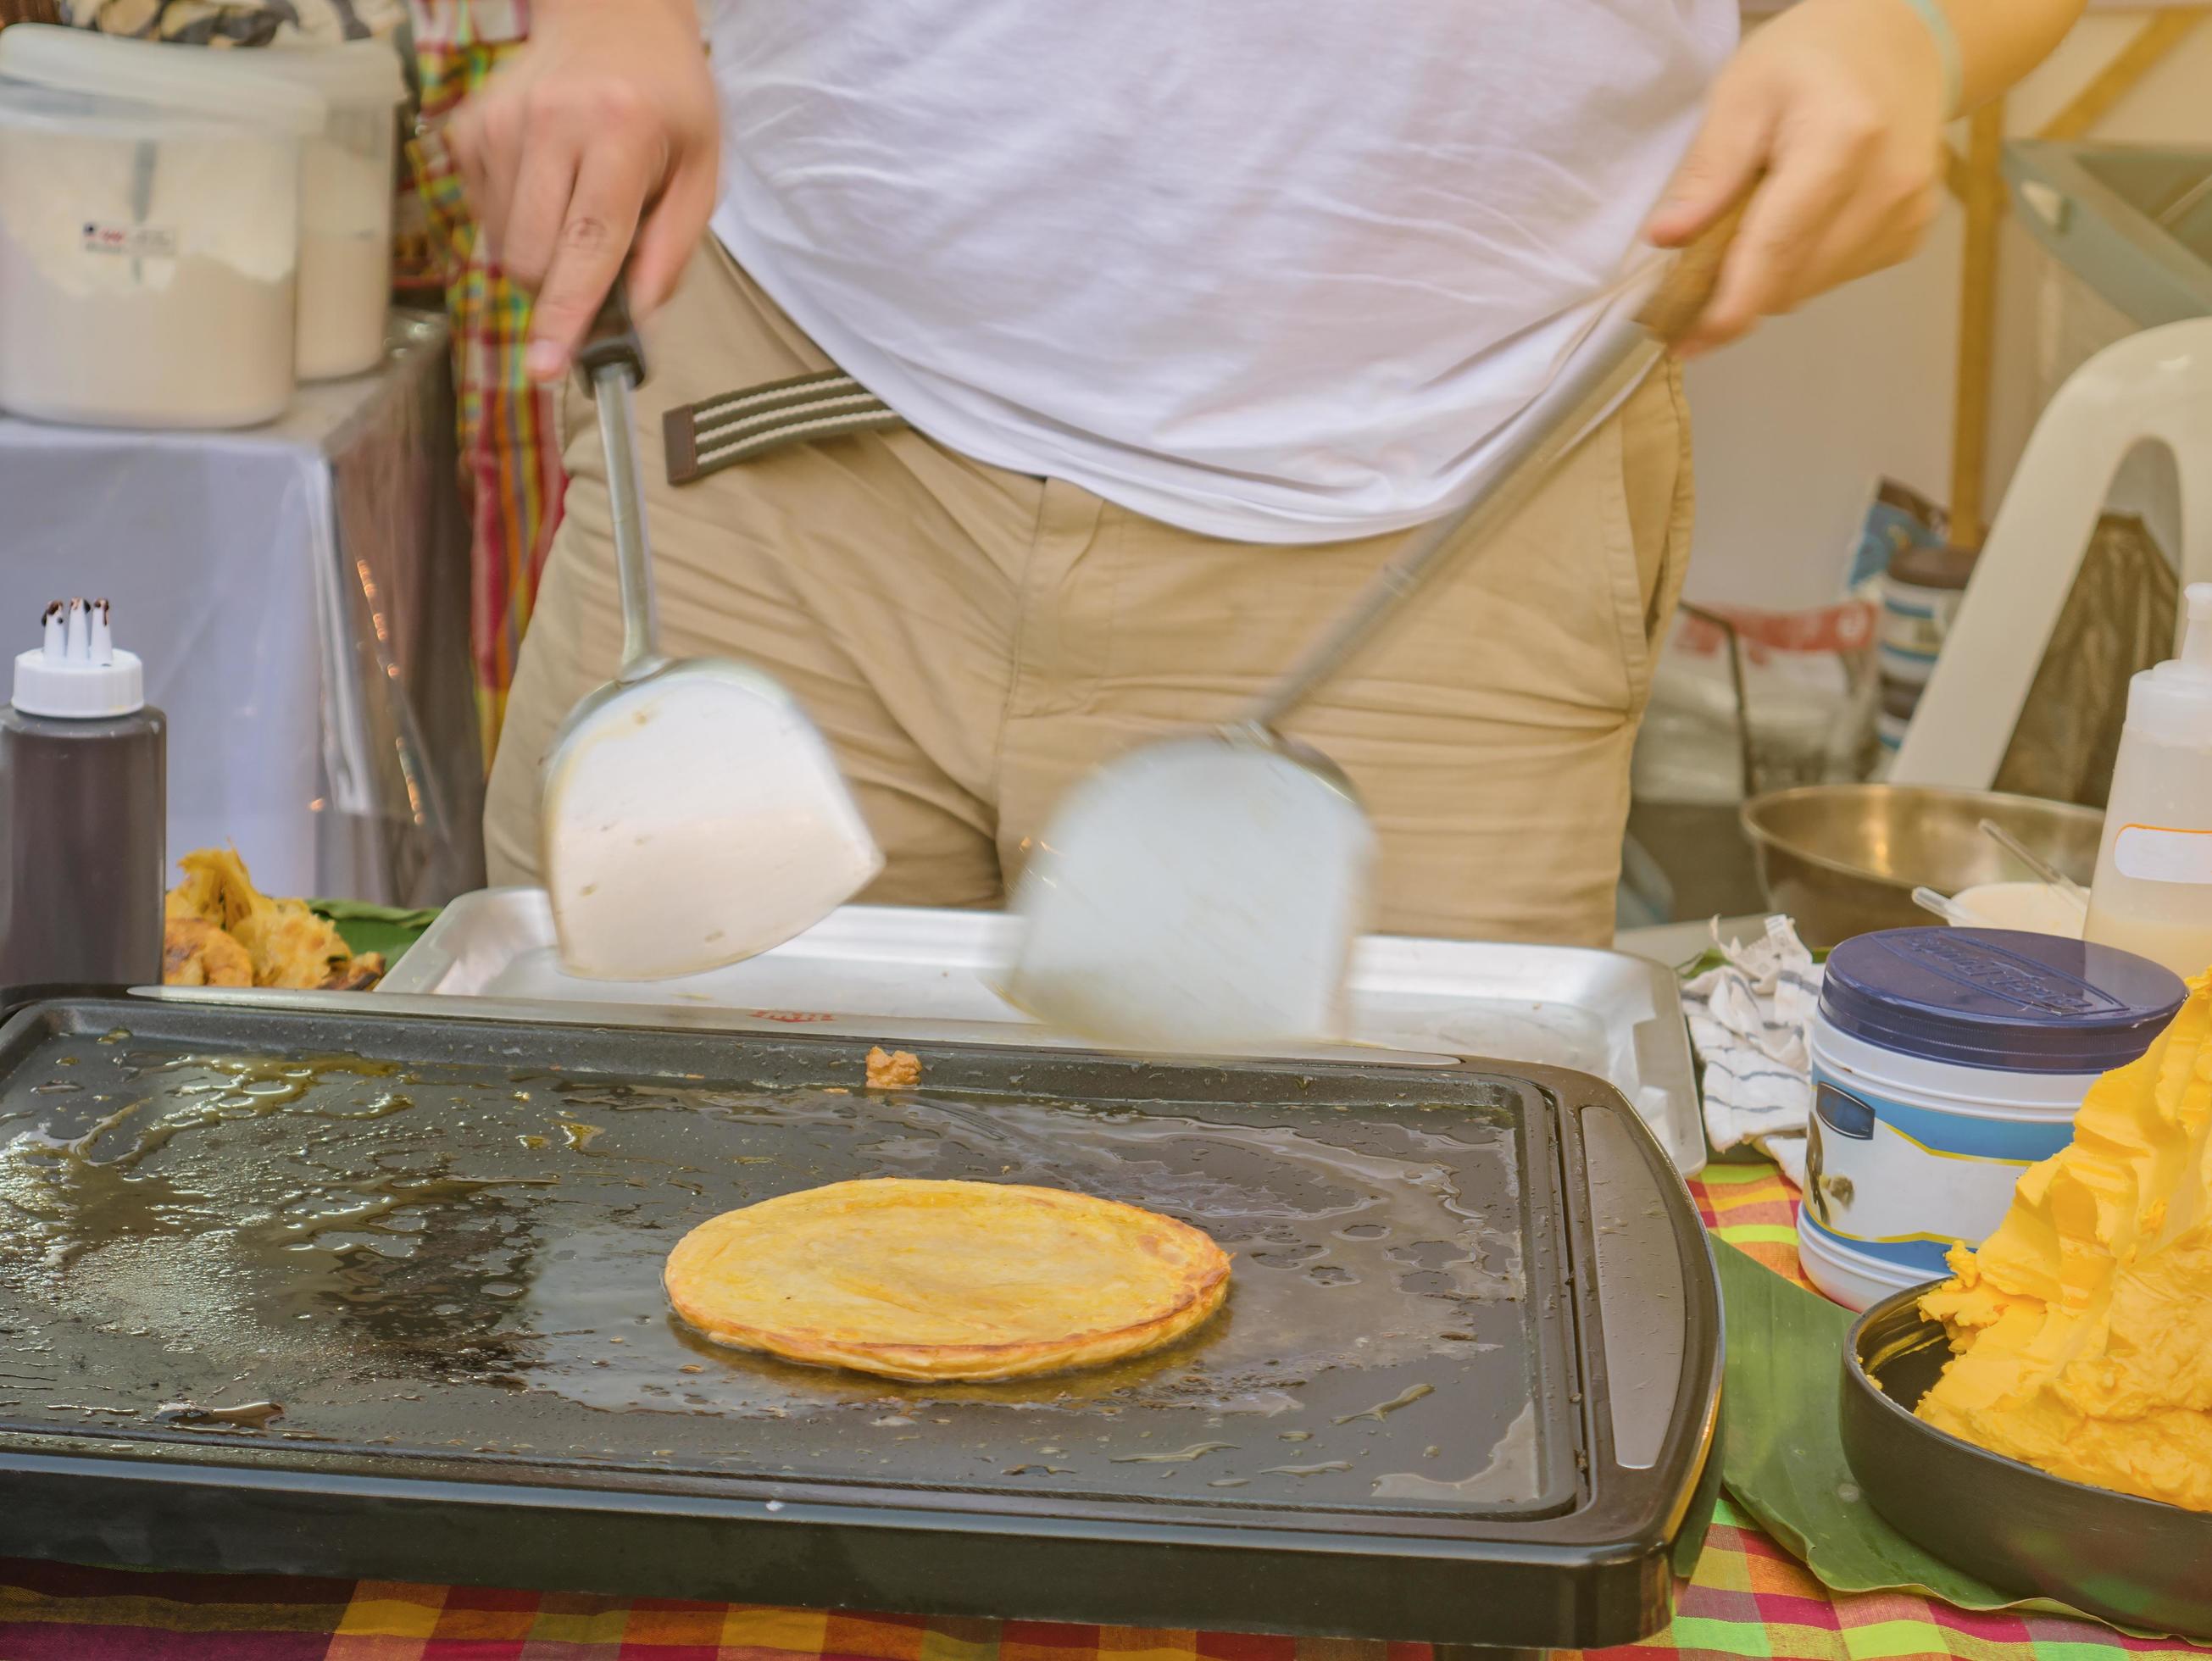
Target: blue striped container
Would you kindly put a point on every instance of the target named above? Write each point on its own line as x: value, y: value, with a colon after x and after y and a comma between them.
x: 1945, y: 1062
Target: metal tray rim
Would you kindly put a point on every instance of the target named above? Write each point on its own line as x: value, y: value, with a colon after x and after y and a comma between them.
x: 1654, y: 1070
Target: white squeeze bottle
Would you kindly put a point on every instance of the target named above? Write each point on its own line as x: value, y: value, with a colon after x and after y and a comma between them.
x: 2152, y: 895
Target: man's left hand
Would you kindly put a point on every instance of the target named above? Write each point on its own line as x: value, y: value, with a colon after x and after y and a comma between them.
x: 1835, y: 110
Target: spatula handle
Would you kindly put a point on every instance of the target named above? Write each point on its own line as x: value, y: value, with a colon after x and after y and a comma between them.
x: 614, y: 360
x: 1550, y: 427
x: 1687, y: 288
x: 612, y: 340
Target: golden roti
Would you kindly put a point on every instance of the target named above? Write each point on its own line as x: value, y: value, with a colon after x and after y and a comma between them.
x: 945, y: 1280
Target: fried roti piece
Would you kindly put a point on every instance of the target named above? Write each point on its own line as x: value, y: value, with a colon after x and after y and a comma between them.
x: 195, y: 952
x: 216, y: 887
x: 289, y: 945
x: 911, y: 1279
x: 895, y: 1069
x: 361, y: 974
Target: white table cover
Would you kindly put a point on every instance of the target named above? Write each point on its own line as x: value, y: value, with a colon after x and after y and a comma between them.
x: 300, y: 594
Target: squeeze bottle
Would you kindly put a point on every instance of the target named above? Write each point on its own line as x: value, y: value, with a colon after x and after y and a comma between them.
x: 83, y: 805
x: 2153, y: 892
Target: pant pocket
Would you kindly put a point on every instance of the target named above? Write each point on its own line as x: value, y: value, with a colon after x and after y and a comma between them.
x: 1647, y: 521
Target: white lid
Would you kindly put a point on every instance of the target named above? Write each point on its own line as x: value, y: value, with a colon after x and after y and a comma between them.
x: 2172, y: 701
x: 192, y: 79
x: 24, y: 108
x: 356, y: 72
x: 77, y: 674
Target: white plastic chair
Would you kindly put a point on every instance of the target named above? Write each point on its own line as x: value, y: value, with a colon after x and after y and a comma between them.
x: 2154, y: 387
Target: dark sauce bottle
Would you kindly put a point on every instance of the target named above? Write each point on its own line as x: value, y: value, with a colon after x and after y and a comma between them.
x: 83, y: 807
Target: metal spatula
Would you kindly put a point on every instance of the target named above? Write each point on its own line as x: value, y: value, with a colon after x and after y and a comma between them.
x: 1202, y: 893
x: 692, y: 815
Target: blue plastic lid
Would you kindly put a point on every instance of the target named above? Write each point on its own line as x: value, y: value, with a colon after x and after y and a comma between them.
x: 1999, y: 999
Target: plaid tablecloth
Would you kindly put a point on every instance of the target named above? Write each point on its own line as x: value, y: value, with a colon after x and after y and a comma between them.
x: 1747, y: 1597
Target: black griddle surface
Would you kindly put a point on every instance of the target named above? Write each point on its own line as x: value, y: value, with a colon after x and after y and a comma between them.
x: 454, y: 1251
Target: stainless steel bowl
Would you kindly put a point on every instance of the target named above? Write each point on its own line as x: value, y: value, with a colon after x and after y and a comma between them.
x: 1843, y: 859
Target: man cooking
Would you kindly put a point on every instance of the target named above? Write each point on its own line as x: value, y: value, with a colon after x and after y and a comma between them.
x: 1183, y: 313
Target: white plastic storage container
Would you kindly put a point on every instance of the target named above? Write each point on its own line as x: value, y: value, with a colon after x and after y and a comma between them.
x: 347, y: 185
x: 148, y: 231
x: 1945, y: 1062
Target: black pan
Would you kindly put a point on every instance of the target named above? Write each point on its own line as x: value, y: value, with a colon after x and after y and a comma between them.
x: 2135, y: 1562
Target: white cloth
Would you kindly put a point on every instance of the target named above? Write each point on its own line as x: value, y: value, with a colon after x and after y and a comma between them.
x: 1280, y: 273
x: 1749, y: 1019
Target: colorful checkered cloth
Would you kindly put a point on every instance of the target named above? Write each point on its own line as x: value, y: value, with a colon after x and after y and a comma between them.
x: 509, y: 437
x: 1747, y: 1598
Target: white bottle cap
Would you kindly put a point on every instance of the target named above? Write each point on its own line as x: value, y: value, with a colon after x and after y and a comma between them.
x: 77, y: 674
x: 2172, y: 701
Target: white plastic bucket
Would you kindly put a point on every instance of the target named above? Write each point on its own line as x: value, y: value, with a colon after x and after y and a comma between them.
x: 1907, y: 1157
x: 346, y: 185
x: 148, y: 231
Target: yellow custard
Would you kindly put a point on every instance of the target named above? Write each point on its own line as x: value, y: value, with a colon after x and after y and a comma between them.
x: 2082, y: 1328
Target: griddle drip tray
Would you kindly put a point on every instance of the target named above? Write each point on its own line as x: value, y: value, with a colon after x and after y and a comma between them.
x: 440, y: 1257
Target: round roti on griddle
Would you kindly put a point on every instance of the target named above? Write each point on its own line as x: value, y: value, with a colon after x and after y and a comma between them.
x: 910, y: 1278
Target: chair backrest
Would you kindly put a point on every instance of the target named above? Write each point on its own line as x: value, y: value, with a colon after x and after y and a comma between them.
x: 2152, y: 387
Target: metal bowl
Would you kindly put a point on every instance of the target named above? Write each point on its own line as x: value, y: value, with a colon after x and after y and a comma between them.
x: 1843, y: 859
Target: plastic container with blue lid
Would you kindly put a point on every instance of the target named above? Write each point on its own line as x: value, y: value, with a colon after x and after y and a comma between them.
x: 1945, y: 1061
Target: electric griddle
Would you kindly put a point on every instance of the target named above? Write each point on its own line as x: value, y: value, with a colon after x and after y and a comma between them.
x: 290, y: 1286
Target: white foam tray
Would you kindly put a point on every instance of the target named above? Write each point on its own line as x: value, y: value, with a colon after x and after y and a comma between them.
x: 893, y: 972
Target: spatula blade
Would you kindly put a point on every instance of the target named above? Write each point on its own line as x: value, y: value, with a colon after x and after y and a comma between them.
x: 1200, y: 896
x: 694, y: 819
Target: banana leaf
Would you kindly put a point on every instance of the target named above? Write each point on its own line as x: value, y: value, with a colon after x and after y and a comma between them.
x: 368, y: 927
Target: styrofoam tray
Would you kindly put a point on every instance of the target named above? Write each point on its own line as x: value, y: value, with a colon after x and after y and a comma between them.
x: 900, y: 972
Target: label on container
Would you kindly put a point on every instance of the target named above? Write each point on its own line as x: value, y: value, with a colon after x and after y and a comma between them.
x: 1915, y: 620
x: 128, y: 242
x: 1905, y: 1183
x: 2152, y: 853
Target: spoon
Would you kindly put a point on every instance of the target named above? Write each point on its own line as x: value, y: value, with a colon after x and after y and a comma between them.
x: 1961, y: 916
x: 2040, y: 868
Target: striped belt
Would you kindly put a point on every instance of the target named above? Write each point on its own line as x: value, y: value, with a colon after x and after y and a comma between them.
x: 720, y: 432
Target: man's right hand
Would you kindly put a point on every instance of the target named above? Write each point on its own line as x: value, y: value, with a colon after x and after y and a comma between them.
x: 599, y: 135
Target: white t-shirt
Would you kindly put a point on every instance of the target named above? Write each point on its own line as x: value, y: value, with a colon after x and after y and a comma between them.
x: 1280, y: 272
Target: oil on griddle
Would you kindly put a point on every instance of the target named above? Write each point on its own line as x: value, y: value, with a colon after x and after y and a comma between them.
x: 466, y: 1258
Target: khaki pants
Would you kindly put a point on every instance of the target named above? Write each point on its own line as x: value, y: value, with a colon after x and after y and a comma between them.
x: 972, y: 642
